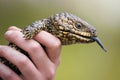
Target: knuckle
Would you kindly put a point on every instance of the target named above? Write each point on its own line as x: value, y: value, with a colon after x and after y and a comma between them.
x: 58, y: 61
x: 51, y: 74
x: 57, y: 44
x: 24, y: 61
x: 3, y: 49
x: 34, y: 47
x: 8, y: 75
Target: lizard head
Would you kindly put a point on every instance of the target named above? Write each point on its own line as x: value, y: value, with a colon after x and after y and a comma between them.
x: 72, y: 29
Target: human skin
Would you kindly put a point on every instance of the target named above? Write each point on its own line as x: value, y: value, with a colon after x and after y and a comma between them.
x: 44, y: 61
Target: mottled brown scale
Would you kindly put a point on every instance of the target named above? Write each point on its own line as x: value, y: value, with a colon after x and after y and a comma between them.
x: 69, y: 28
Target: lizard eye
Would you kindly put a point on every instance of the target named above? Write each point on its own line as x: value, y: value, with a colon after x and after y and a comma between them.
x: 78, y: 25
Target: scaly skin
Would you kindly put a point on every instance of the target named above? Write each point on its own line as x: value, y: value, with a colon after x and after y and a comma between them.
x: 69, y: 28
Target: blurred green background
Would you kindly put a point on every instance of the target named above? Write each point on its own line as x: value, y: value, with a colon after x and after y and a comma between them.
x: 78, y: 62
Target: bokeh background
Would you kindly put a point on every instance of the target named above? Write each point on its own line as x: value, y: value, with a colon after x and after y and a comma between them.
x: 79, y: 61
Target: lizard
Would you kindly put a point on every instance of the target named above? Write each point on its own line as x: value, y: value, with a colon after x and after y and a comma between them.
x: 69, y: 28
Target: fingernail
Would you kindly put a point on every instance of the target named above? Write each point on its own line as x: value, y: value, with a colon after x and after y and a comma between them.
x: 14, y: 28
x: 8, y: 33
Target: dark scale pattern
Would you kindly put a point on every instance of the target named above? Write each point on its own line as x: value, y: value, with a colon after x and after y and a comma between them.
x: 69, y: 28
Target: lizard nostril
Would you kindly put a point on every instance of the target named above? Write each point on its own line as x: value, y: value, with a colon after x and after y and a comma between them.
x: 93, y: 31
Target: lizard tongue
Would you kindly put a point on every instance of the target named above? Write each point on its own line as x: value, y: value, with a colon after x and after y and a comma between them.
x: 99, y: 43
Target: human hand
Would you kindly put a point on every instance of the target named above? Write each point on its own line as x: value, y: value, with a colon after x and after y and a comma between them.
x: 44, y: 61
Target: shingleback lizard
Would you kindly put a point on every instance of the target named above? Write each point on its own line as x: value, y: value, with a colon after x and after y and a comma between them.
x: 69, y: 28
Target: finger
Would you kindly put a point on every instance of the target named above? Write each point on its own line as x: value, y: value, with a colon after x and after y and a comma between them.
x: 7, y: 74
x: 34, y: 49
x: 26, y: 67
x: 52, y: 44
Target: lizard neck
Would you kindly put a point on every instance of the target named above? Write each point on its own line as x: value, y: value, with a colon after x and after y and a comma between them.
x: 49, y: 26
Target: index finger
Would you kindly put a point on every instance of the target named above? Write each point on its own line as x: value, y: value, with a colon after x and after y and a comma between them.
x: 52, y: 45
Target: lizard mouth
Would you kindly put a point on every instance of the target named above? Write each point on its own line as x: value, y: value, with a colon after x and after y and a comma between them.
x: 84, y: 38
x: 89, y: 38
